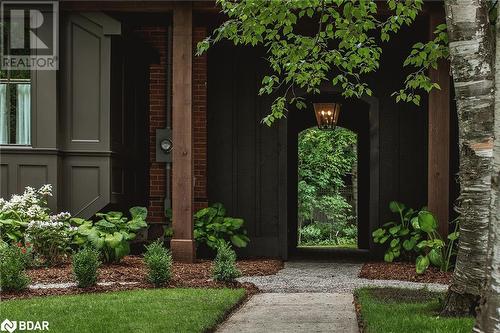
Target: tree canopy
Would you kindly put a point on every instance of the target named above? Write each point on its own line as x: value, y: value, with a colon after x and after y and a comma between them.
x: 344, y: 46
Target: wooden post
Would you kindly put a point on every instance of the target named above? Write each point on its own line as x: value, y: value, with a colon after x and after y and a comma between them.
x: 438, y: 182
x: 182, y: 244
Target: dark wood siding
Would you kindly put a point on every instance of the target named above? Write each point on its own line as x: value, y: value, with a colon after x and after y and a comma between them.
x: 243, y: 164
x: 246, y: 168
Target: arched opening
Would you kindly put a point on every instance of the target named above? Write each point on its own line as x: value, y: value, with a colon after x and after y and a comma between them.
x: 327, y: 189
x: 359, y: 117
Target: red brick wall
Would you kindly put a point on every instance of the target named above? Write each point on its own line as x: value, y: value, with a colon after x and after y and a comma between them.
x: 200, y: 122
x: 157, y: 37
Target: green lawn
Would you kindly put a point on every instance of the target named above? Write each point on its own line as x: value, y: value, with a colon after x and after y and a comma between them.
x: 150, y: 310
x: 387, y: 310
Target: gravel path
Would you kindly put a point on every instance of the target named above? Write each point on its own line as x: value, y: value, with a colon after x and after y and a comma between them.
x: 331, y: 277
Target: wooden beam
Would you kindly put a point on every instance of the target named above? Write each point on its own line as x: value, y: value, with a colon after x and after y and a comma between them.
x: 137, y: 6
x: 182, y: 244
x: 438, y: 182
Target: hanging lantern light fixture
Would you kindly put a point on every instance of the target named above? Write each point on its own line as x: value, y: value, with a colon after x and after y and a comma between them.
x: 327, y: 115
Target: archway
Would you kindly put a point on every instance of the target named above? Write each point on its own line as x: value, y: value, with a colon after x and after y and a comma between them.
x: 361, y: 117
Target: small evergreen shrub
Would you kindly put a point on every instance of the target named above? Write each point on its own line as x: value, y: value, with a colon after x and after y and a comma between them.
x: 85, y: 265
x: 12, y: 268
x: 159, y: 262
x: 225, y: 264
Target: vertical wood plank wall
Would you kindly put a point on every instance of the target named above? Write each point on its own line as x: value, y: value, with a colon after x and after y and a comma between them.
x: 182, y: 244
x: 438, y: 194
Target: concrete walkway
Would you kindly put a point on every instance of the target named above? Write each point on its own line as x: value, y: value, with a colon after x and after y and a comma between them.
x: 294, y: 313
x: 307, y: 297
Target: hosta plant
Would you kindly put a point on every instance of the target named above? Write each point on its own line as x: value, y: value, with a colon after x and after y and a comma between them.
x: 401, y: 237
x: 213, y: 227
x: 435, y: 251
x: 111, y: 232
x: 416, y: 235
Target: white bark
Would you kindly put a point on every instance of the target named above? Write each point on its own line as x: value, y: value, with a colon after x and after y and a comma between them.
x: 471, y: 63
x: 488, y: 319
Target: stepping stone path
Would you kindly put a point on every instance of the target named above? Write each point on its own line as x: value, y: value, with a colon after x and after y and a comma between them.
x: 308, y: 297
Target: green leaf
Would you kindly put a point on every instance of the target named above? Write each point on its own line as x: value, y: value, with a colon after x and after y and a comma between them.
x: 454, y: 235
x: 435, y: 257
x: 121, y: 250
x: 138, y: 213
x: 113, y: 240
x: 234, y: 223
x: 414, y: 223
x: 378, y: 233
x: 77, y: 220
x: 238, y: 241
x: 137, y: 224
x: 427, y: 221
x: 409, y: 244
x: 95, y: 239
x: 421, y: 264
x: 394, y: 230
x: 389, y: 256
x: 105, y: 224
x: 396, y: 207
x: 394, y: 242
x: 110, y: 215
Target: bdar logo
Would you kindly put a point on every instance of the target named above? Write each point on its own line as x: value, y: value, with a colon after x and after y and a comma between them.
x: 8, y: 325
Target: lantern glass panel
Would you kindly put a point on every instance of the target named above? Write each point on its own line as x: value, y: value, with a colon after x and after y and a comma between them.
x: 327, y: 115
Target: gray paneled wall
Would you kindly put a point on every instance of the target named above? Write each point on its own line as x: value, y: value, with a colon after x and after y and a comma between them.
x: 73, y: 153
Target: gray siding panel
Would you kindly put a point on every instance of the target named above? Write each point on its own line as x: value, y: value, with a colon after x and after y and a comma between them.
x: 4, y: 183
x: 85, y: 86
x: 86, y: 115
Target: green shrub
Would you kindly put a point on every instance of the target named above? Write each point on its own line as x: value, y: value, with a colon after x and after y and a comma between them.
x: 111, y: 233
x: 12, y: 268
x: 159, y: 263
x: 337, y: 233
x: 213, y: 227
x: 225, y: 264
x: 416, y: 234
x: 85, y: 265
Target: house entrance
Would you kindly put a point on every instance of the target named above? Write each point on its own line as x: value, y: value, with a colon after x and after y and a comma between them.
x: 332, y: 179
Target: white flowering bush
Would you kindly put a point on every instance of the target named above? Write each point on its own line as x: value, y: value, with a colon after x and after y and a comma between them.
x: 51, y: 239
x: 26, y: 218
x: 20, y: 210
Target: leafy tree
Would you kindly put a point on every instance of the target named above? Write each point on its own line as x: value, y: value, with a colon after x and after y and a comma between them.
x: 324, y: 158
x: 341, y: 50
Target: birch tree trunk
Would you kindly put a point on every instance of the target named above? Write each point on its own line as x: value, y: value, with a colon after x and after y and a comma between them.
x: 488, y: 319
x: 471, y: 63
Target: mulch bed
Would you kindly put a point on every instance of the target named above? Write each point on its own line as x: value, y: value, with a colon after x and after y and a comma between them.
x: 404, y: 272
x: 132, y: 269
